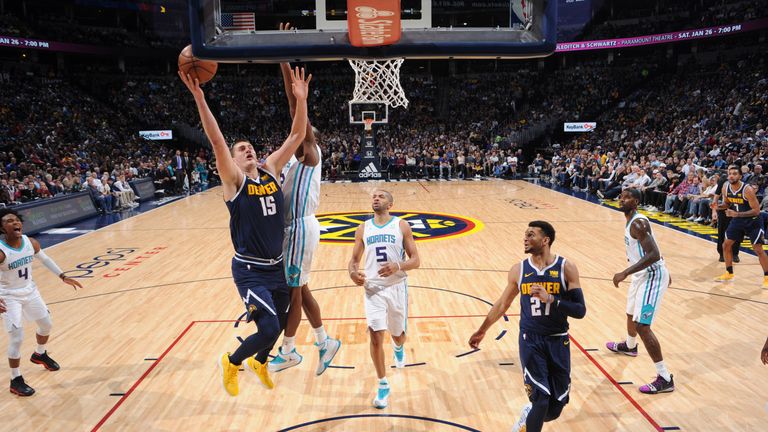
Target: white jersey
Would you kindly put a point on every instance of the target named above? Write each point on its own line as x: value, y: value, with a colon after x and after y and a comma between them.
x: 301, y: 188
x: 383, y: 244
x: 634, y: 249
x: 16, y: 269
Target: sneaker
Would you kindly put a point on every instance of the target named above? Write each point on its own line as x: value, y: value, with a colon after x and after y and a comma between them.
x: 400, y: 358
x: 229, y: 375
x: 736, y: 259
x: 699, y: 219
x: 261, y: 371
x: 326, y: 354
x: 284, y: 361
x: 621, y: 347
x: 20, y: 388
x: 520, y: 425
x: 382, y: 396
x: 765, y: 281
x: 724, y: 277
x: 659, y: 385
x: 600, y: 194
x: 43, y: 359
x: 691, y: 219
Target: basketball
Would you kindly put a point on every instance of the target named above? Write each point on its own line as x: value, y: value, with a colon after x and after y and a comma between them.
x: 203, y: 70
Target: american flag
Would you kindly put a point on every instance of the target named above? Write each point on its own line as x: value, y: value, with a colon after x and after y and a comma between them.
x: 238, y: 21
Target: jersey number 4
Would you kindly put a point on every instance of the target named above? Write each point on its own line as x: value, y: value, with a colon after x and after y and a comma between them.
x: 24, y: 274
x: 536, y: 307
x: 268, y: 205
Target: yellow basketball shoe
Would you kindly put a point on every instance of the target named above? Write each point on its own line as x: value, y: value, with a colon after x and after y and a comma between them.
x: 229, y: 375
x: 765, y: 281
x: 261, y: 371
x: 725, y: 277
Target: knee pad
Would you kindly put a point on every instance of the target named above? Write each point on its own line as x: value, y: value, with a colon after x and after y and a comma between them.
x: 44, y: 326
x: 555, y: 408
x: 268, y: 324
x: 15, y: 337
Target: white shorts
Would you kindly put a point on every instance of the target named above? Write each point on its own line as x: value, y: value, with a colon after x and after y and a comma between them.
x: 386, y: 308
x: 302, y: 236
x: 646, y: 290
x: 30, y: 307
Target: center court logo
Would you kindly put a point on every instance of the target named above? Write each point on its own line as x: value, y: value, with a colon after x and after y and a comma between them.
x: 339, y: 228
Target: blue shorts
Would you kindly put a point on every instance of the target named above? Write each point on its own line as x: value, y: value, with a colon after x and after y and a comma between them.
x: 546, y: 362
x: 751, y: 227
x: 261, y: 289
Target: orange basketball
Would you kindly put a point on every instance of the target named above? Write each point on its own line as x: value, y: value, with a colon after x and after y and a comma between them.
x: 203, y: 70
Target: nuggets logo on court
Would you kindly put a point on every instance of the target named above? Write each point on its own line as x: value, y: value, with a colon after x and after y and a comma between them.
x: 340, y: 227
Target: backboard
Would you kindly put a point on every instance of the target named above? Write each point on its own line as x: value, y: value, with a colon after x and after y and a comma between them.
x: 247, y: 30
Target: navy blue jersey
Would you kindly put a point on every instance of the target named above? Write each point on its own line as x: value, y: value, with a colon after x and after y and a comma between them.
x: 256, y: 221
x: 738, y: 198
x: 536, y: 316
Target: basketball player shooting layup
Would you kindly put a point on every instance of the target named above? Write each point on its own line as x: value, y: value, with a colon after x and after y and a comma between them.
x: 255, y: 203
x: 385, y: 239
x: 550, y: 292
x: 301, y: 188
x: 19, y: 297
x: 650, y: 279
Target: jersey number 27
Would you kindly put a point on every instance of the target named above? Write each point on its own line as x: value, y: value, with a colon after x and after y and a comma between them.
x: 536, y: 307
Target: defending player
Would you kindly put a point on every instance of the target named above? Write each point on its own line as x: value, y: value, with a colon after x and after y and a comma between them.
x: 386, y: 239
x: 301, y: 188
x: 20, y: 299
x: 650, y: 280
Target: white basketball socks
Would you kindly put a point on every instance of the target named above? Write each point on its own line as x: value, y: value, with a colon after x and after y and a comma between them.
x: 661, y: 369
x: 631, y: 342
x: 320, y: 336
x: 289, y: 343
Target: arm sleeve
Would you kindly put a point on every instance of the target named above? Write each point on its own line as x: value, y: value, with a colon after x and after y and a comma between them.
x: 572, y: 303
x: 49, y: 263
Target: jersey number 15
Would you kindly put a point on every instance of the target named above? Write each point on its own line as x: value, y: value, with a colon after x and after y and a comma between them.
x: 268, y: 205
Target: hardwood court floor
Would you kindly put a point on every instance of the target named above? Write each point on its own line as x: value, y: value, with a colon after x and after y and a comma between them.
x: 158, y: 286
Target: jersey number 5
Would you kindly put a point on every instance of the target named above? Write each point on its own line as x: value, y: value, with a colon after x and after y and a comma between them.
x: 536, y: 307
x: 268, y: 205
x: 25, y: 274
x: 381, y: 254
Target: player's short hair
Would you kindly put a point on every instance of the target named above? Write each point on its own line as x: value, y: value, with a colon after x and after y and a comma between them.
x: 6, y: 211
x: 546, y: 227
x: 734, y: 167
x: 235, y: 143
x: 635, y: 194
x: 388, y: 194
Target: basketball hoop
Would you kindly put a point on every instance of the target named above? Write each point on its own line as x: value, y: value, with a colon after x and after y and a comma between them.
x: 368, y: 123
x: 378, y: 81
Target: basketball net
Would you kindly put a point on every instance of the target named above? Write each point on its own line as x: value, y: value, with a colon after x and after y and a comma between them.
x: 378, y: 81
x: 368, y: 124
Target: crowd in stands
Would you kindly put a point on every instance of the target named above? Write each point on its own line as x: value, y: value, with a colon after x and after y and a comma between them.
x: 57, y: 139
x: 662, y: 16
x: 674, y: 139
